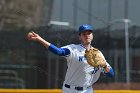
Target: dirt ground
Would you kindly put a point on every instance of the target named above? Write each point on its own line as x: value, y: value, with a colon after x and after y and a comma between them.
x: 116, y: 86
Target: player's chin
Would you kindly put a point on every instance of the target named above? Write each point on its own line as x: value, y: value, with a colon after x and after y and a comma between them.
x: 88, y: 41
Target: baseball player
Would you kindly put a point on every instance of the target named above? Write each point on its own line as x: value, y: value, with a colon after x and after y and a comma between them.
x: 80, y: 76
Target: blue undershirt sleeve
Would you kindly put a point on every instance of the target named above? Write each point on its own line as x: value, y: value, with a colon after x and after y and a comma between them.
x: 110, y: 73
x: 59, y: 51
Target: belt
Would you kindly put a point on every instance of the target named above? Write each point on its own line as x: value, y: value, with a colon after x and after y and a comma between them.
x: 77, y: 88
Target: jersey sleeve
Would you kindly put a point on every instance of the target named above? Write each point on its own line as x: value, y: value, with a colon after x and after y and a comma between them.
x: 111, y: 71
x: 59, y: 51
x: 70, y: 47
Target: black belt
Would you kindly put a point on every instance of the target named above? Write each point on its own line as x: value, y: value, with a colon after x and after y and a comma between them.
x: 77, y: 88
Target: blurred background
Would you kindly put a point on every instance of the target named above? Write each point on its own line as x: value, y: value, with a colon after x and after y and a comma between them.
x: 26, y: 64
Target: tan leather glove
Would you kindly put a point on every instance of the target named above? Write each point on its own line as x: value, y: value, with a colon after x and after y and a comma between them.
x: 95, y: 58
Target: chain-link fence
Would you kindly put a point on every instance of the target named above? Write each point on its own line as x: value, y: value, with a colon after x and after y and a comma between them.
x: 25, y: 64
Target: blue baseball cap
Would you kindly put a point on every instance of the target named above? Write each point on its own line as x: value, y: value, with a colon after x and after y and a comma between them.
x: 85, y: 27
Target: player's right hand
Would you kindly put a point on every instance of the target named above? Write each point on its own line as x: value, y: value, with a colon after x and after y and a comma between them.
x: 33, y: 36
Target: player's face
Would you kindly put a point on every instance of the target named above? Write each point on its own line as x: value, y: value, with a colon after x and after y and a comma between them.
x: 86, y: 37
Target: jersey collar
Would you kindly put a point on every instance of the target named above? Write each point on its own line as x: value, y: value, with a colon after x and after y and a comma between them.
x: 84, y: 47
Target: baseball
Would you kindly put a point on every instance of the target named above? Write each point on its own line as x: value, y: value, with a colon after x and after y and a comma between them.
x: 29, y: 35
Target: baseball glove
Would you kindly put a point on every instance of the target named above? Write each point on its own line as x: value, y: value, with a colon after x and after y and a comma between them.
x: 95, y: 58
